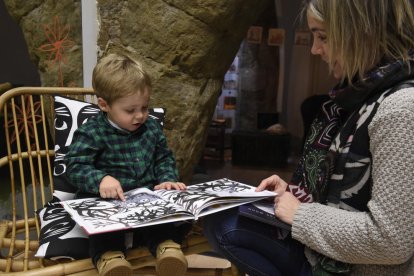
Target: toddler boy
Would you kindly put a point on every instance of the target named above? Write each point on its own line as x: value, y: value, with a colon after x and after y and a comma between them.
x: 121, y: 149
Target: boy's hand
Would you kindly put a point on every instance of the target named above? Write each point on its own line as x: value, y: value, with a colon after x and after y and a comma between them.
x: 111, y: 188
x: 171, y: 185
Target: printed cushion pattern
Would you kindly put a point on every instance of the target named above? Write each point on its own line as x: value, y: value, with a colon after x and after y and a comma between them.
x: 60, y: 237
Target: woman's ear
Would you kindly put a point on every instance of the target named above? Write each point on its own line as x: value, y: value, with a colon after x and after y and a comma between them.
x: 103, y: 105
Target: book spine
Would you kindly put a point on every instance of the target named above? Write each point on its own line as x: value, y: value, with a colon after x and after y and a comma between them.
x: 259, y: 215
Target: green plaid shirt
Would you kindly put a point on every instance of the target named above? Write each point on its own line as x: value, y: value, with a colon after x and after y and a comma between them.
x: 138, y: 159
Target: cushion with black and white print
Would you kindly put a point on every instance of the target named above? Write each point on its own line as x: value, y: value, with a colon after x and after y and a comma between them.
x: 60, y: 237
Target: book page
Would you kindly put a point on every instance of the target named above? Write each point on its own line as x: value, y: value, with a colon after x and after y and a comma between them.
x: 199, y: 196
x: 142, y: 207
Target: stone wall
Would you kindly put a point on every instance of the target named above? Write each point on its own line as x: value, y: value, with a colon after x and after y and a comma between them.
x: 53, y: 34
x: 186, y: 46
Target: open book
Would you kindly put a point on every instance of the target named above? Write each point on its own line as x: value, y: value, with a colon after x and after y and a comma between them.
x: 144, y: 207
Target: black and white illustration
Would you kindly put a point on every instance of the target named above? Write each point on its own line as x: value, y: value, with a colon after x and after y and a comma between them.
x: 218, y: 192
x: 141, y: 207
x: 144, y: 207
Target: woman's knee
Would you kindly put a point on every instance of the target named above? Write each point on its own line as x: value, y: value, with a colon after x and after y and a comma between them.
x: 215, y: 225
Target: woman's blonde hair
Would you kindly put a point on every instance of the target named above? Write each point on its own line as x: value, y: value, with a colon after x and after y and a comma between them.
x: 117, y: 75
x: 361, y: 32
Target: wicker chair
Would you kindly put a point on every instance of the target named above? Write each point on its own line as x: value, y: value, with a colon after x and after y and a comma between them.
x: 26, y: 172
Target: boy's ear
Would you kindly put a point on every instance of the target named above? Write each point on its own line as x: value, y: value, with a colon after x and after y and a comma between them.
x: 103, y: 105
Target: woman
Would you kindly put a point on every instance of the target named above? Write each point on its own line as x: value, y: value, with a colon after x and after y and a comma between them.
x: 350, y: 200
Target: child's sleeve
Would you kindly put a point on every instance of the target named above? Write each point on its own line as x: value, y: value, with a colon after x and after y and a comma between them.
x: 80, y: 161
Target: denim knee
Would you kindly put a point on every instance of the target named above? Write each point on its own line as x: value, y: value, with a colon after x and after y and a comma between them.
x: 215, y: 225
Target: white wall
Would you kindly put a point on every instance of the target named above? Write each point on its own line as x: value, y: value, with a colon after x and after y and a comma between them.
x: 89, y: 39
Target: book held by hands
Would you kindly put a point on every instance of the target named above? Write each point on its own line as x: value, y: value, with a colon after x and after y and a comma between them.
x: 144, y: 207
x: 263, y: 211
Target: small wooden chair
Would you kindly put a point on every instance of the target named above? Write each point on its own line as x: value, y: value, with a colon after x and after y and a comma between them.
x: 26, y: 168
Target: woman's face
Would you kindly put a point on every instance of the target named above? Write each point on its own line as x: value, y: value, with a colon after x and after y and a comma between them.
x: 320, y: 45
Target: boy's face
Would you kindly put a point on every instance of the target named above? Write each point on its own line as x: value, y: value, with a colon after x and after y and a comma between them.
x: 129, y: 112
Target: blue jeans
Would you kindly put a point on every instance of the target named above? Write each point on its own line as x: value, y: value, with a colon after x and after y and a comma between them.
x: 253, y: 246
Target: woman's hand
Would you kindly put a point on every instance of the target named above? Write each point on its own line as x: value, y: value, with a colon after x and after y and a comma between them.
x: 286, y: 206
x: 273, y: 183
x: 170, y: 185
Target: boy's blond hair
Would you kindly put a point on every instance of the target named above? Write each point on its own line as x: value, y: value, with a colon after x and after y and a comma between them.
x: 116, y: 76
